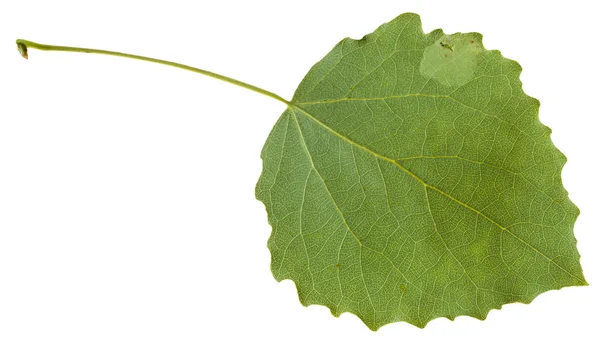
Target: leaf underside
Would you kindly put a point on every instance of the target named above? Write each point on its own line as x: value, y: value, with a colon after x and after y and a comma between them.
x: 410, y: 178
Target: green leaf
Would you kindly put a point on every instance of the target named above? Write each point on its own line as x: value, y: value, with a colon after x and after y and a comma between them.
x: 410, y: 178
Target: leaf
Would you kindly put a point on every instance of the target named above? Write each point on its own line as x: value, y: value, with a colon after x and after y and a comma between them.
x: 410, y: 178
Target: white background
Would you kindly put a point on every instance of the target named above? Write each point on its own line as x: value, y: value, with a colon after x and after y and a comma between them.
x: 127, y: 208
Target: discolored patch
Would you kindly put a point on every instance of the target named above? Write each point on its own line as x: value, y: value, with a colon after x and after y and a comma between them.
x: 452, y: 59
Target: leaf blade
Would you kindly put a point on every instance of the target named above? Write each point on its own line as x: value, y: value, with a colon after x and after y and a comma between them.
x: 401, y: 220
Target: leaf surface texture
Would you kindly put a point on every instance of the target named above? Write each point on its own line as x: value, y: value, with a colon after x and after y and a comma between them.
x: 410, y: 178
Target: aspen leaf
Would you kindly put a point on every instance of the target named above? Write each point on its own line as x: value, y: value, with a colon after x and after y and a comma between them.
x: 410, y: 178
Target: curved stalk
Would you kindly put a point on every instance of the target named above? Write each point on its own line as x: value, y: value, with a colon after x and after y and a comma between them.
x: 23, y: 45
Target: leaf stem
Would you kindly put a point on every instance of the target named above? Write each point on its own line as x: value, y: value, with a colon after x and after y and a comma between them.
x: 23, y: 45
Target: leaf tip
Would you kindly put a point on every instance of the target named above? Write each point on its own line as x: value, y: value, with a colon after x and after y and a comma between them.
x: 409, y: 16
